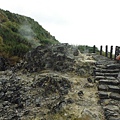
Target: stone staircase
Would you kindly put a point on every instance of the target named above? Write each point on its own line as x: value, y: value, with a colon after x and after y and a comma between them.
x: 108, y: 83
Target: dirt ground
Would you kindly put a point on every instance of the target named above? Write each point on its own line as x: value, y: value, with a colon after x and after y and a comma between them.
x: 84, y: 97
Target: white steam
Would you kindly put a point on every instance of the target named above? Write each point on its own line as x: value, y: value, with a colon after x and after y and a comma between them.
x: 27, y: 32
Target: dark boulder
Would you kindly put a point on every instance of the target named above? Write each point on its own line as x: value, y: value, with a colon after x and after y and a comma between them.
x: 2, y: 64
x: 59, y: 57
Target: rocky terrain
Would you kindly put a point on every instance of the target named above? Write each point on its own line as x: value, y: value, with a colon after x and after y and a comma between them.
x: 53, y: 82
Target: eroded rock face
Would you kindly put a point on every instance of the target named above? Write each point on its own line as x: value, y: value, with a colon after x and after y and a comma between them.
x: 58, y: 57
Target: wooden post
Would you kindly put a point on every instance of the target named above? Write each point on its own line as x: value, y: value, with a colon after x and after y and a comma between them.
x: 94, y: 49
x: 111, y: 51
x: 106, y: 51
x: 116, y: 52
x: 101, y: 50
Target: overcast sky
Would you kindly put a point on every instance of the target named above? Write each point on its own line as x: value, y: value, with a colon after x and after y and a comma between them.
x: 83, y: 22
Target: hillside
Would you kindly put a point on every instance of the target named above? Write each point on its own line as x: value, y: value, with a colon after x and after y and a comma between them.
x: 19, y: 34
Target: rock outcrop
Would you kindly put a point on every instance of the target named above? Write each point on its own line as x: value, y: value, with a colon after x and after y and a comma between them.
x: 59, y: 57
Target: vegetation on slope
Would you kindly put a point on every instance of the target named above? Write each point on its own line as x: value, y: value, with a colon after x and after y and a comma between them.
x: 19, y: 34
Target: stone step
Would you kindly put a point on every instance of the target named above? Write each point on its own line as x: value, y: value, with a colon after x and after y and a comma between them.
x: 109, y: 88
x: 103, y: 95
x: 114, y: 88
x: 109, y: 82
x: 106, y: 74
x: 106, y: 70
x: 115, y: 96
x: 114, y: 118
x: 107, y: 95
x: 111, y: 108
x: 101, y: 61
x: 109, y: 101
x: 101, y: 66
x: 105, y: 61
x: 103, y: 88
x: 104, y: 77
x: 111, y: 111
x: 116, y: 66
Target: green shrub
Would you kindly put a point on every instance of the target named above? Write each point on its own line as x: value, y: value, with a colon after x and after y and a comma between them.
x: 12, y: 25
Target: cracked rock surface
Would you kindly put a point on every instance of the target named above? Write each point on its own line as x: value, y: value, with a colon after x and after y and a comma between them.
x: 51, y: 83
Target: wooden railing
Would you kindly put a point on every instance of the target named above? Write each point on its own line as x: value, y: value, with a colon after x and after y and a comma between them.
x: 110, y: 54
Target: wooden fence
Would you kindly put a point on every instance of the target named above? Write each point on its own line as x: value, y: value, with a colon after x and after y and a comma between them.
x: 112, y: 54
